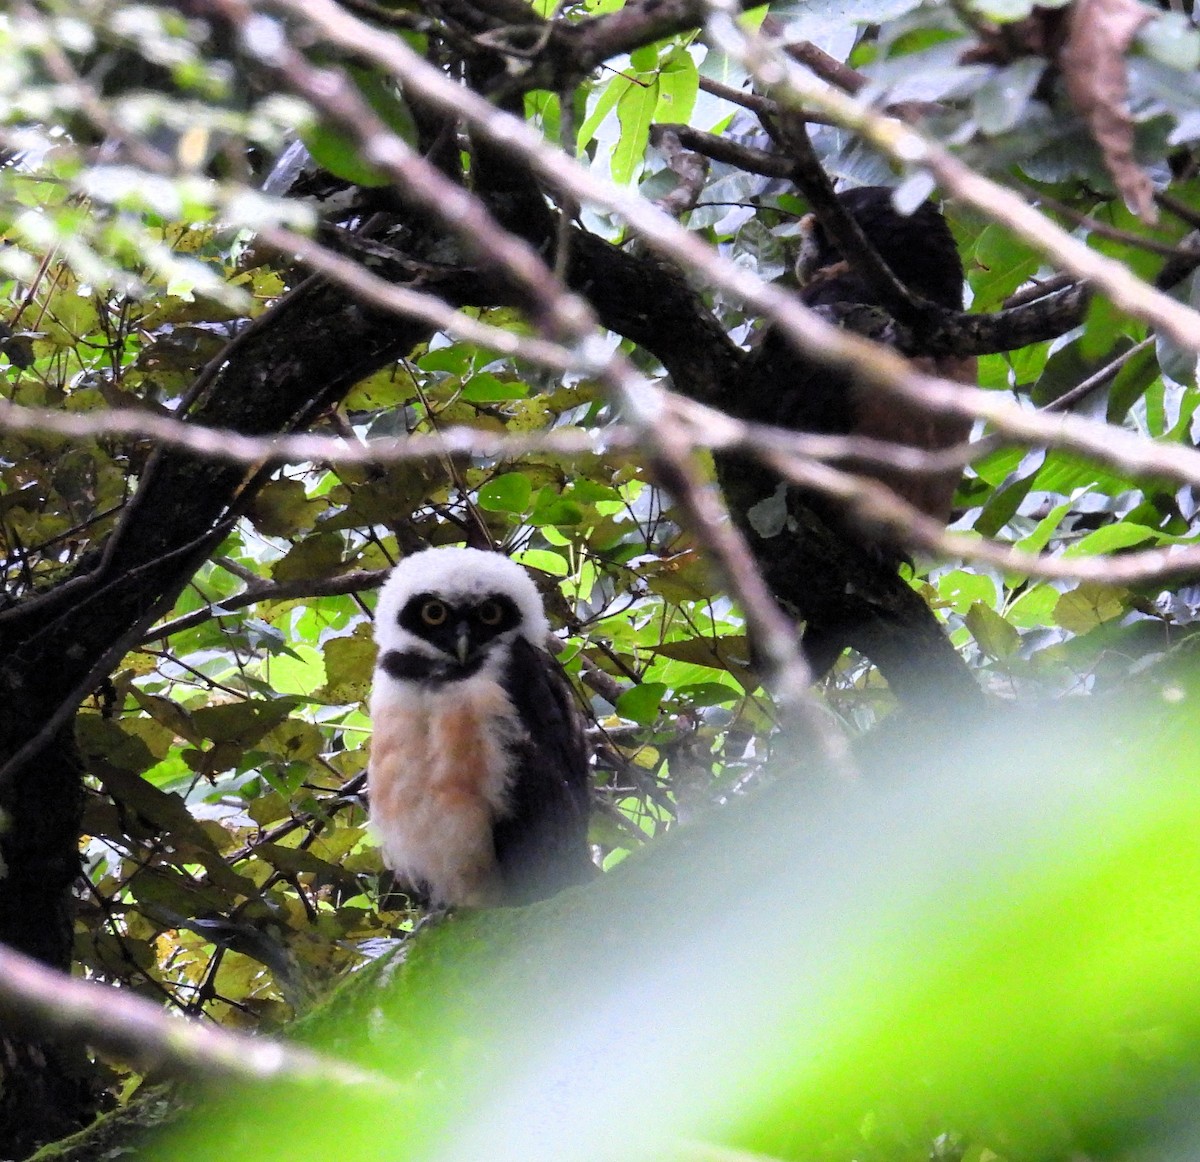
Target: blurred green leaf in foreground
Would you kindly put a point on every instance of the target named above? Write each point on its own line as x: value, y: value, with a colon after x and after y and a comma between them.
x: 985, y: 948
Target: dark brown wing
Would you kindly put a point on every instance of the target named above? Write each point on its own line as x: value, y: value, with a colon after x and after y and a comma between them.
x: 921, y: 252
x: 884, y: 417
x: 918, y: 248
x: 541, y: 844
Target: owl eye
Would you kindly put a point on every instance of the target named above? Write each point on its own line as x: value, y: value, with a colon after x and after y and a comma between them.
x: 434, y: 613
x: 491, y: 613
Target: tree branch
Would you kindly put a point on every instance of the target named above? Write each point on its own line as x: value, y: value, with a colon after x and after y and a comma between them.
x: 41, y: 1002
x: 787, y: 81
x: 565, y: 316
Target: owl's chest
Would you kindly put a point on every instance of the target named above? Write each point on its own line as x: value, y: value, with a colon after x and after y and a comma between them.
x: 449, y: 744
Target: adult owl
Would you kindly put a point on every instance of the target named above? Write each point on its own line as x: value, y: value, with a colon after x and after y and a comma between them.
x: 921, y: 252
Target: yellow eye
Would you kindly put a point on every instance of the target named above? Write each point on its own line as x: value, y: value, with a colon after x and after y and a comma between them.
x: 434, y: 613
x: 491, y: 613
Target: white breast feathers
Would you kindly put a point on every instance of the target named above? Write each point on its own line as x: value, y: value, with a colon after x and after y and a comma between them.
x: 438, y: 779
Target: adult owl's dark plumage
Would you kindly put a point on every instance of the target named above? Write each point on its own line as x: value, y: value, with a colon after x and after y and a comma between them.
x: 919, y: 249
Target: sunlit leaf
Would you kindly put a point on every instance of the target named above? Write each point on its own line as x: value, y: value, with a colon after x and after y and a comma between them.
x: 510, y: 492
x: 641, y: 703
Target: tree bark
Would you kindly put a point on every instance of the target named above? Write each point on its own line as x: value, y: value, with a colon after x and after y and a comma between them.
x: 56, y: 647
x: 317, y: 347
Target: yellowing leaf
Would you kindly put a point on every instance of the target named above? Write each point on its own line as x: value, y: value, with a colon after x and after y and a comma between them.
x: 1089, y: 605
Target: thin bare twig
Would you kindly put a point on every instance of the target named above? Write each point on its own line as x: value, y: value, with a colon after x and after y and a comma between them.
x: 784, y: 80
x: 1097, y: 379
x: 797, y: 455
x: 697, y: 426
x: 745, y: 157
x: 344, y: 583
x: 565, y: 316
x: 428, y: 308
x: 228, y: 445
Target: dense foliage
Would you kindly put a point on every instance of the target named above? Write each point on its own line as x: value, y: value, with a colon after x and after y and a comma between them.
x: 206, y: 609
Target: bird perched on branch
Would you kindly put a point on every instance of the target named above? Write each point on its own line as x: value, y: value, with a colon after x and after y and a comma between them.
x: 920, y: 251
x: 851, y: 600
x: 478, y: 777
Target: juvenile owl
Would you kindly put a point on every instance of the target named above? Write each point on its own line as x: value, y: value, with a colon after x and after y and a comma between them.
x: 478, y: 777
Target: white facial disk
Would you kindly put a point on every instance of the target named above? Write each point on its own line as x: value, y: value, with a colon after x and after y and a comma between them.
x: 458, y: 576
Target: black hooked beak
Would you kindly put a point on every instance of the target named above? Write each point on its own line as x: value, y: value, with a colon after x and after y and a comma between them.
x: 462, y: 640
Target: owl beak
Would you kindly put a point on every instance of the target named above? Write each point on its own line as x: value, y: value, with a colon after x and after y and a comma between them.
x: 462, y: 640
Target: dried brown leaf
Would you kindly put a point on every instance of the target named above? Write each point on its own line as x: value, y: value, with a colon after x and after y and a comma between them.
x: 1093, y: 65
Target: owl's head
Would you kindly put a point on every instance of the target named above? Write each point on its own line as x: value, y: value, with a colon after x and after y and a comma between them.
x: 918, y: 248
x: 457, y: 607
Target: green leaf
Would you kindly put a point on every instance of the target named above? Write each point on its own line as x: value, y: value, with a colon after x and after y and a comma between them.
x: 545, y: 561
x: 243, y: 723
x: 1155, y: 404
x: 1034, y: 608
x: 508, y: 493
x: 1037, y: 540
x: 318, y: 555
x: 282, y: 508
x: 551, y: 508
x: 1067, y: 367
x: 961, y: 590
x: 349, y: 664
x: 605, y: 104
x: 1110, y: 538
x: 1003, y: 263
x: 723, y: 653
x: 641, y: 703
x: 455, y: 358
x: 167, y: 712
x: 635, y: 111
x: 994, y: 636
x: 1088, y: 606
x: 708, y: 693
x: 380, y: 93
x: 1174, y: 360
x: 996, y: 467
x: 1103, y: 322
x: 488, y: 388
x: 644, y: 58
x: 1187, y: 409
x: 678, y: 85
x: 339, y: 154
x: 301, y: 674
x: 1132, y: 380
x: 1002, y: 101
x: 1002, y: 505
x: 543, y: 109
x: 102, y: 738
x: 299, y: 861
x: 589, y: 491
